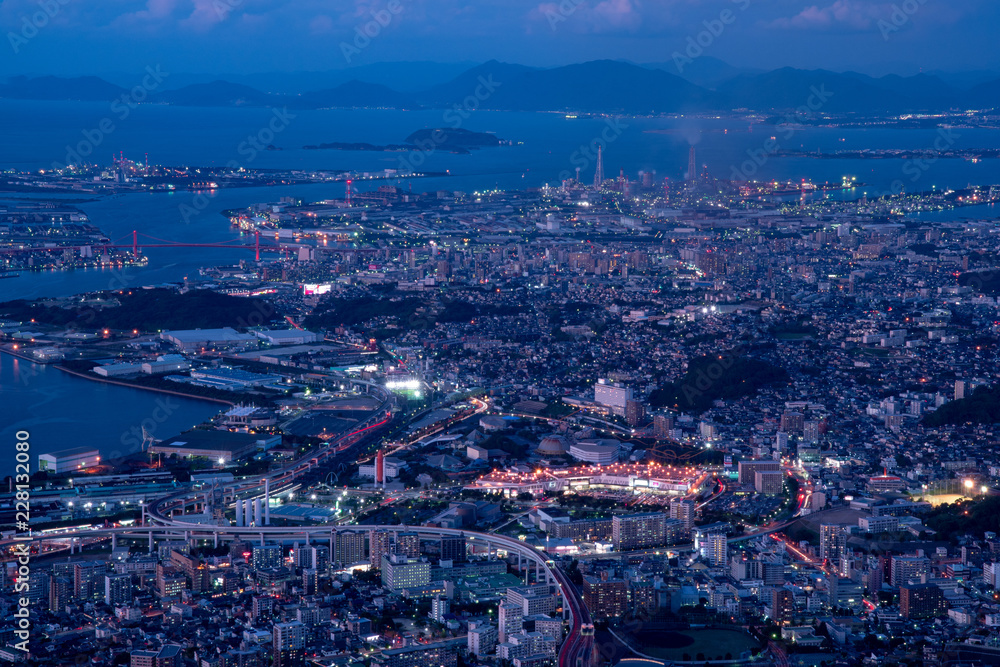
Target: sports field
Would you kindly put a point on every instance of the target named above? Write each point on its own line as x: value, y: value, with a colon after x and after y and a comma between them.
x: 708, y: 644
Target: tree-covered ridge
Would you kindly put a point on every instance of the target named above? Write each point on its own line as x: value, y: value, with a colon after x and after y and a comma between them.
x: 982, y: 407
x: 716, y: 377
x: 146, y: 310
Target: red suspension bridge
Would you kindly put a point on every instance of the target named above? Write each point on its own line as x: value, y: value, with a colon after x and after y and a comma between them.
x: 257, y: 246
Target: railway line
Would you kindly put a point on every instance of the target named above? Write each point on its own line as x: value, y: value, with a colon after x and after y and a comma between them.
x: 160, y: 523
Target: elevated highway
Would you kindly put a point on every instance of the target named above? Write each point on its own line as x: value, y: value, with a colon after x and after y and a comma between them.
x: 161, y: 510
x: 161, y: 523
x: 576, y: 650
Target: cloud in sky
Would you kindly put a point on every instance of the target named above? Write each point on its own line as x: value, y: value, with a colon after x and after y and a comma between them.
x: 850, y: 14
x: 598, y: 16
x: 208, y: 13
x: 262, y: 35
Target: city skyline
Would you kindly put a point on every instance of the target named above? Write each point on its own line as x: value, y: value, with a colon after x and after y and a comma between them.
x: 509, y: 333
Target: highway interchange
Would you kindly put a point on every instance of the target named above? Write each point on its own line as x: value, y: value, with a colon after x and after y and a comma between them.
x: 164, y: 519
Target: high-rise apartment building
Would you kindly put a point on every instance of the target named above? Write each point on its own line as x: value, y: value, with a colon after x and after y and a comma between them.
x: 921, y: 601
x: 349, y: 547
x: 117, y: 589
x: 400, y: 572
x: 289, y: 642
x: 715, y: 548
x: 638, y: 531
x: 682, y: 509
x: 832, y: 542
x: 605, y: 596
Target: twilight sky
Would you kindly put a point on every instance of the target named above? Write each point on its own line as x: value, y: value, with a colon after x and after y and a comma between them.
x: 245, y: 36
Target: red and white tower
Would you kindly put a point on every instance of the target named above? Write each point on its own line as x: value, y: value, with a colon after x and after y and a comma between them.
x: 380, y: 468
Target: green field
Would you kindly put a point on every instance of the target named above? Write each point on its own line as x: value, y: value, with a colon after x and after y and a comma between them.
x: 709, y: 644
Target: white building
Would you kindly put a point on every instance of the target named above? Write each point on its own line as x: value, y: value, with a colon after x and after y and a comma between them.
x: 477, y: 453
x: 482, y: 639
x: 991, y: 575
x: 48, y: 354
x: 168, y: 363
x: 117, y: 370
x: 287, y: 336
x: 602, y: 454
x: 69, y: 460
x: 878, y: 524
x: 392, y: 468
x: 289, y: 642
x: 533, y: 600
x: 530, y: 647
x: 612, y: 395
x: 249, y: 417
x: 511, y: 617
x: 400, y: 572
x: 196, y: 339
x: 439, y: 608
x: 715, y: 548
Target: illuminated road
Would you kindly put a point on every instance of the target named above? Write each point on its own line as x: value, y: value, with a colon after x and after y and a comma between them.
x: 715, y: 496
x: 660, y: 551
x: 161, y: 509
x: 780, y: 659
x: 575, y: 651
x: 481, y: 406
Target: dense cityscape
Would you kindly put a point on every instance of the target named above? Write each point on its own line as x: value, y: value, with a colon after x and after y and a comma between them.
x: 694, y: 405
x: 618, y: 363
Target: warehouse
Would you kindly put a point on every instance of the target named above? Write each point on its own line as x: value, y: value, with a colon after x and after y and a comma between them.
x: 196, y: 339
x: 69, y: 460
x: 287, y: 336
x: 216, y: 445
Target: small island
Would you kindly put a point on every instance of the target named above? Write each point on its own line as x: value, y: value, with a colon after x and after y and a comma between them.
x: 973, y: 154
x: 452, y: 140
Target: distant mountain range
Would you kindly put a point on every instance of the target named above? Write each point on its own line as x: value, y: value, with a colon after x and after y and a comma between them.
x: 602, y: 86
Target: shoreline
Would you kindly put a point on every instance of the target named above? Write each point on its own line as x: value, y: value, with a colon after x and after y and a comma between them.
x: 18, y: 355
x: 111, y: 190
x: 121, y: 383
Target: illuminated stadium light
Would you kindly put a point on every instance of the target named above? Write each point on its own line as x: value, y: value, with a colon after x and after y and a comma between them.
x: 409, y: 384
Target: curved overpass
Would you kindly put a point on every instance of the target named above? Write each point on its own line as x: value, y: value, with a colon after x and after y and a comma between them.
x: 575, y: 651
x: 577, y: 648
